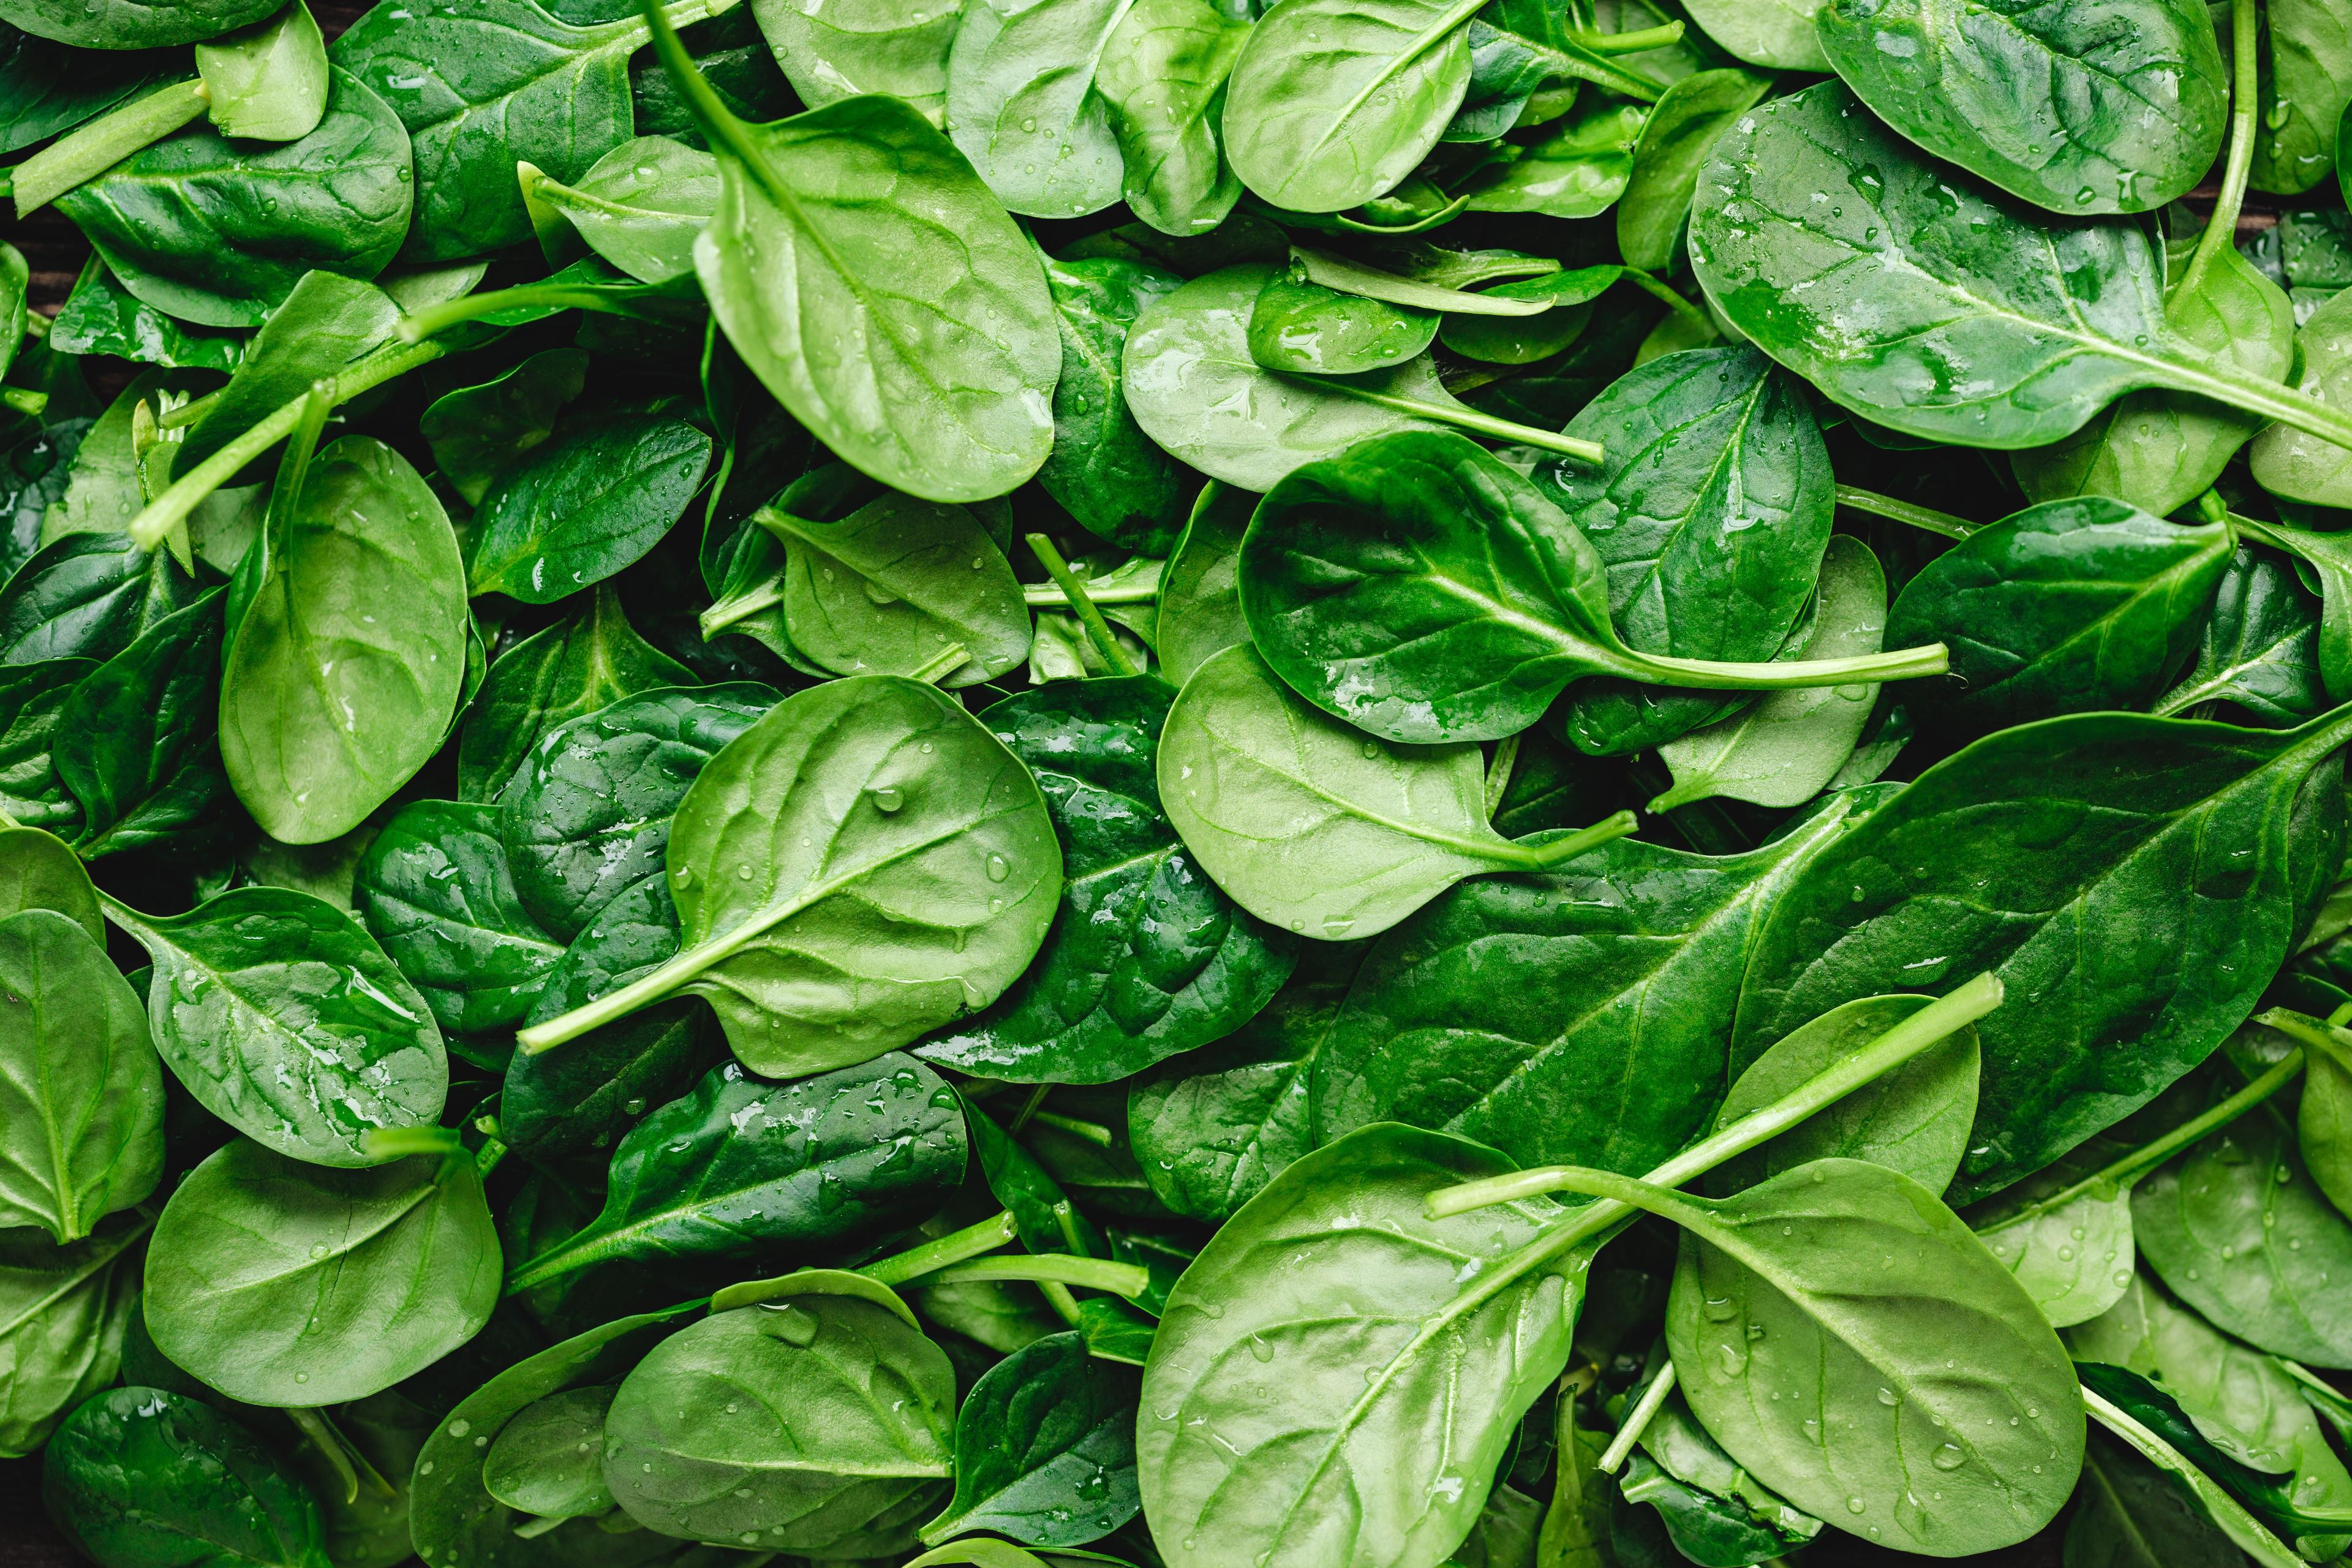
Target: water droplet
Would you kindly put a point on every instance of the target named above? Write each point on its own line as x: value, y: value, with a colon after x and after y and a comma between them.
x: 1886, y: 1397
x: 1855, y: 1505
x: 1948, y: 1457
x: 998, y: 867
x: 887, y: 797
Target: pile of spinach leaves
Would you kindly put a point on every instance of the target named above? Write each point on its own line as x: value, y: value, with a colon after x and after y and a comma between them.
x: 1184, y: 784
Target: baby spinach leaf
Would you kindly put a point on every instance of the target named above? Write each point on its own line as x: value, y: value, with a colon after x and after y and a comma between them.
x: 2294, y: 463
x: 1104, y: 471
x: 2247, y: 1189
x: 1044, y: 1449
x: 32, y: 695
x: 1163, y: 75
x: 640, y: 205
x: 1913, y: 1119
x: 281, y: 1283
x: 455, y: 1520
x: 81, y: 1094
x: 1775, y: 33
x: 2319, y: 554
x: 588, y: 660
x: 100, y: 317
x: 87, y: 596
x: 435, y: 889
x: 1709, y: 513
x: 1827, y: 1259
x: 1788, y: 746
x: 137, y: 740
x: 39, y: 872
x: 585, y: 504
x: 1576, y: 167
x: 1310, y: 824
x: 1146, y: 956
x: 1022, y: 104
x: 1311, y: 330
x: 1984, y: 325
x: 587, y: 814
x: 131, y: 24
x: 895, y: 587
x: 142, y: 1476
x: 739, y: 1165
x: 1212, y: 1128
x: 282, y: 1017
x: 1200, y: 594
x: 2133, y: 1516
x: 2303, y: 92
x: 63, y: 1311
x: 1331, y: 104
x: 838, y: 1443
x: 2079, y: 109
x: 1341, y: 1343
x: 951, y: 849
x: 2087, y: 825
x: 342, y: 675
x: 325, y: 323
x: 930, y: 305
x: 482, y: 86
x: 548, y: 1461
x: 268, y: 80
x: 1629, y: 965
x: 831, y: 52
x: 476, y: 431
x: 1420, y: 588
x: 218, y: 233
x: 2065, y: 606
x: 1680, y: 131
x: 47, y: 88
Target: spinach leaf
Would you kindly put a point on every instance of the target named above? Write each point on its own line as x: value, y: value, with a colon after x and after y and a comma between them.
x: 268, y: 80
x: 282, y: 1017
x: 2270, y: 1211
x: 1163, y: 75
x: 579, y: 1101
x: 1022, y: 103
x: 2303, y: 92
x: 1104, y: 471
x: 1775, y: 33
x: 282, y: 1283
x: 39, y: 872
x: 896, y: 587
x: 1200, y: 594
x: 100, y: 317
x: 548, y: 1461
x: 131, y: 24
x: 831, y: 51
x: 925, y: 901
x: 2067, y: 607
x: 1308, y: 823
x: 1422, y: 589
x: 1212, y: 1128
x: 1790, y: 745
x: 1676, y: 140
x: 588, y: 660
x: 218, y: 233
x: 640, y: 205
x: 63, y: 1311
x: 342, y: 673
x: 1577, y: 167
x: 1967, y: 319
x: 137, y: 742
x: 482, y: 86
x: 837, y: 1443
x: 1629, y: 962
x: 738, y: 1166
x: 588, y: 813
x: 1394, y: 1372
x: 81, y: 1094
x: 476, y: 431
x: 585, y: 504
x: 2087, y: 825
x: 141, y: 1475
x: 930, y: 304
x: 1844, y: 1323
x: 436, y: 891
x: 87, y: 596
x: 1044, y: 1449
x: 2132, y: 1516
x: 32, y: 696
x: 1709, y: 513
x: 1146, y: 956
x: 2115, y: 108
x: 47, y: 88
x: 325, y: 323
x: 1307, y: 328
x: 2294, y: 463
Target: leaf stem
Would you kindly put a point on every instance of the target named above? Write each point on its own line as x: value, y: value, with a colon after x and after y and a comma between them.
x: 957, y: 1247
x: 1498, y: 773
x: 1093, y: 1132
x: 619, y: 298
x: 1964, y: 1005
x: 2227, y: 1512
x: 1658, y: 289
x: 173, y: 507
x: 1641, y: 38
x: 1088, y: 615
x: 1637, y: 1420
x: 388, y: 1143
x: 1466, y: 417
x: 84, y: 154
x: 23, y: 399
x: 2234, y: 388
x: 313, y: 1425
x: 947, y: 662
x: 1710, y: 674
x: 1855, y: 499
x: 2221, y: 228
x: 1540, y: 857
x: 1128, y: 1279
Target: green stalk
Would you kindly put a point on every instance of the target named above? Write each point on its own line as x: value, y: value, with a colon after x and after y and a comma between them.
x: 2224, y: 1511
x: 2235, y: 388
x: 173, y: 507
x: 23, y: 399
x: 2221, y: 228
x: 1498, y: 773
x: 84, y: 154
x: 948, y: 661
x: 398, y: 1142
x: 1088, y: 615
x: 1637, y: 1420
x: 294, y: 464
x: 1093, y: 1132
x: 2325, y: 1035
x: 329, y: 1442
x: 1710, y: 674
x: 1855, y: 499
x: 1540, y: 857
x: 1465, y: 418
x: 606, y: 299
x: 1964, y: 1005
x: 973, y: 1241
x: 1057, y: 1296
x: 1657, y: 289
x: 1128, y: 1279
x: 1656, y: 38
